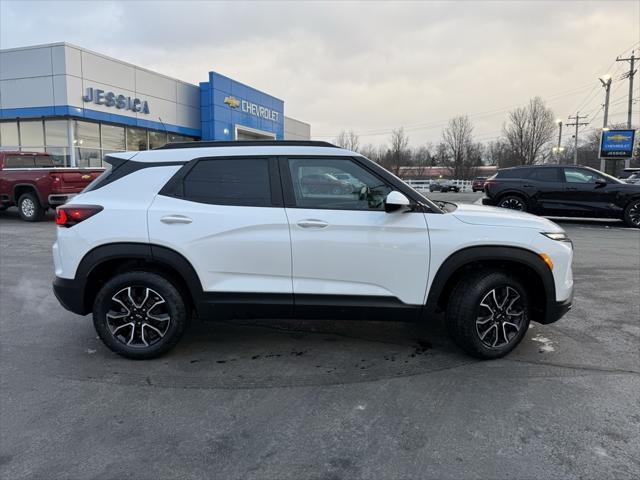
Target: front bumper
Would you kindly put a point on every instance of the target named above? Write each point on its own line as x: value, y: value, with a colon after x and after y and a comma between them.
x: 488, y: 201
x: 556, y: 310
x: 70, y: 295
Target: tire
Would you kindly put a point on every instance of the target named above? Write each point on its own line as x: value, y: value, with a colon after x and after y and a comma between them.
x: 468, y: 314
x: 513, y: 202
x: 632, y: 213
x: 157, y: 320
x: 29, y: 208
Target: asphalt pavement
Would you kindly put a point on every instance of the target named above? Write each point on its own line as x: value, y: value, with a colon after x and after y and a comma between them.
x: 323, y: 399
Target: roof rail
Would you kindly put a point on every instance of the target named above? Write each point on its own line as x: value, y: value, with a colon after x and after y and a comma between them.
x: 246, y: 143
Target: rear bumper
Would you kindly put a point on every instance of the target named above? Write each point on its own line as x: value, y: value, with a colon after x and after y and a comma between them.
x: 60, y: 198
x: 70, y: 295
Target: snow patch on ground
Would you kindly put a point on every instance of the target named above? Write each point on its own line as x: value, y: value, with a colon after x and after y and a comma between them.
x: 547, y: 344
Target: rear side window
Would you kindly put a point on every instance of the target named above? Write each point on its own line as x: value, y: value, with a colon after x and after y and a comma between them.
x: 19, y: 161
x: 242, y: 182
x: 510, y: 173
x: 545, y: 174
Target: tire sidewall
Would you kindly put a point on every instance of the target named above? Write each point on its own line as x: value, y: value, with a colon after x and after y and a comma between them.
x: 517, y: 197
x: 175, y: 304
x: 37, y: 208
x: 627, y: 210
x: 471, y: 303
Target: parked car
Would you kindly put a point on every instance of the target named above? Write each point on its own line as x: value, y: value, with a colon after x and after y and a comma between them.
x: 443, y: 186
x: 31, y: 181
x: 478, y: 184
x: 630, y: 175
x: 565, y: 191
x: 324, y: 183
x: 229, y: 232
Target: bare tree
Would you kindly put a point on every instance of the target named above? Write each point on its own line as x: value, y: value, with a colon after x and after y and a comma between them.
x: 398, y: 153
x: 348, y: 140
x: 371, y: 152
x: 499, y: 153
x: 462, y: 155
x: 529, y: 131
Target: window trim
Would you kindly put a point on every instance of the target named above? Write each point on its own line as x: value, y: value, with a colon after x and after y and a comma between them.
x: 174, y: 187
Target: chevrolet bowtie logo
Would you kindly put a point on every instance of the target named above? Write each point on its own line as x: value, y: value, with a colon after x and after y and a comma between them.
x: 85, y: 177
x: 233, y: 102
x: 620, y: 138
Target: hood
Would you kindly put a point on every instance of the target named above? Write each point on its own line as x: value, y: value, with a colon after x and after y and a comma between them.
x: 502, y: 217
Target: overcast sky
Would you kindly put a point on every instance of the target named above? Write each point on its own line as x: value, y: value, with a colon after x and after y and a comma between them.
x: 366, y: 66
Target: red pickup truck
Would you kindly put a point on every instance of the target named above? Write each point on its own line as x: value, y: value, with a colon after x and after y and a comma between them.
x: 32, y: 182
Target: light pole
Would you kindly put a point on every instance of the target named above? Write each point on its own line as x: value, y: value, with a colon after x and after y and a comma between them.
x: 557, y: 150
x: 606, y: 83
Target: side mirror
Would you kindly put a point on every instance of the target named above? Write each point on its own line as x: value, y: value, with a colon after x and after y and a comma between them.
x: 396, y: 201
x: 600, y: 182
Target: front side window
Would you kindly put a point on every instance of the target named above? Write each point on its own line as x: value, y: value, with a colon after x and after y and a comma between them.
x: 339, y: 184
x: 19, y: 161
x: 236, y: 181
x: 578, y: 175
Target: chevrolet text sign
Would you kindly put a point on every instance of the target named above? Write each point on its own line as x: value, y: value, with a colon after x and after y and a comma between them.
x: 617, y: 143
x: 252, y: 108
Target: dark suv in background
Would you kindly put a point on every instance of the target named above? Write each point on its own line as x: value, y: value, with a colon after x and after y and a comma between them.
x: 564, y: 191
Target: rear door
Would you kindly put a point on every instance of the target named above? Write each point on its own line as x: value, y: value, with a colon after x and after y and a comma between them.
x: 344, y: 245
x: 226, y: 217
x: 547, y: 188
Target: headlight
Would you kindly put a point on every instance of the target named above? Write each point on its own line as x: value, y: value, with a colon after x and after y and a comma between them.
x: 558, y: 236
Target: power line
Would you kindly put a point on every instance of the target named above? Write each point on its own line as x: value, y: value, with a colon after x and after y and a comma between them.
x: 577, y: 124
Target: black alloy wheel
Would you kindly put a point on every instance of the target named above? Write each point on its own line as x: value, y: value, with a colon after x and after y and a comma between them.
x: 632, y: 213
x: 513, y: 202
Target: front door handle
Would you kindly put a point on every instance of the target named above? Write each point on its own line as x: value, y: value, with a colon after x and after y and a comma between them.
x: 172, y: 219
x: 572, y: 188
x: 312, y: 223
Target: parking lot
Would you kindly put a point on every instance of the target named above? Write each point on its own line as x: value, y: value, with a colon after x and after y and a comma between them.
x: 322, y: 399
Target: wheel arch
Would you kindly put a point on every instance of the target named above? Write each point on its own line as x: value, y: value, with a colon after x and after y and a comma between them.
x: 529, y: 268
x: 22, y: 188
x: 104, y: 261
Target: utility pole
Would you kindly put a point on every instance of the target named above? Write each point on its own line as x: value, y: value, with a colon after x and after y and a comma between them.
x: 577, y: 124
x: 629, y: 75
x: 606, y: 83
x: 558, y: 150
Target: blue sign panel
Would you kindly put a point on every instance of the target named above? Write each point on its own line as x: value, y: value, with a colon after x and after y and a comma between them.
x: 617, y: 143
x: 227, y: 106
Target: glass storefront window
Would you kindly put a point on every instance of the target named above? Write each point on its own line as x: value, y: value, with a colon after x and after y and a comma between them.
x: 9, y: 135
x: 157, y: 139
x: 88, y: 157
x: 31, y: 134
x: 87, y: 134
x: 55, y: 133
x: 60, y: 156
x: 136, y: 138
x: 113, y: 137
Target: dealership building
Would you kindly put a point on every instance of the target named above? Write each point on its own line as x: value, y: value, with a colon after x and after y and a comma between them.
x: 80, y: 105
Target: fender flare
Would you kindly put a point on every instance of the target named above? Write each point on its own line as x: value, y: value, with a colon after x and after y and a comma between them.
x: 30, y: 186
x: 466, y: 256
x: 138, y: 251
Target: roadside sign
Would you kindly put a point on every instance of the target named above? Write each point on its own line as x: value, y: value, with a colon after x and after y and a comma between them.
x: 617, y: 143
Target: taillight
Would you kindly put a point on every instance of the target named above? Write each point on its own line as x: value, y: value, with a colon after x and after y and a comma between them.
x: 69, y: 215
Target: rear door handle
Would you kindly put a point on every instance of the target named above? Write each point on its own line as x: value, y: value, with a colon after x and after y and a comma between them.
x: 312, y: 223
x: 172, y: 219
x: 528, y: 186
x: 572, y: 188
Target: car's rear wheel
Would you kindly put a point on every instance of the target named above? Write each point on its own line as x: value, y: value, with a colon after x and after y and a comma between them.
x: 513, y: 202
x: 632, y: 213
x: 139, y: 314
x: 487, y: 314
x: 29, y: 208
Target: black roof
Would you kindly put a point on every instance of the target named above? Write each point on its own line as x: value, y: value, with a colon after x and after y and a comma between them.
x: 247, y: 143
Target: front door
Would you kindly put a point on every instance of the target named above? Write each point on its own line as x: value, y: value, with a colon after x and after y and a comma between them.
x: 344, y: 245
x: 583, y: 195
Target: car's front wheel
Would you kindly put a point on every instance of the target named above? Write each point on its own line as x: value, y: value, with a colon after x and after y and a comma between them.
x: 487, y: 314
x: 632, y: 213
x: 139, y: 314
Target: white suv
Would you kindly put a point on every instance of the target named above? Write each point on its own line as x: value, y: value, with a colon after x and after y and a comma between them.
x: 231, y: 229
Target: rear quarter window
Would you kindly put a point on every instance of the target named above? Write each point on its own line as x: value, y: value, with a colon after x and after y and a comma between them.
x: 19, y: 161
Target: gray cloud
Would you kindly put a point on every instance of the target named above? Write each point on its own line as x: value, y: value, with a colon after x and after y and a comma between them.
x: 368, y: 66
